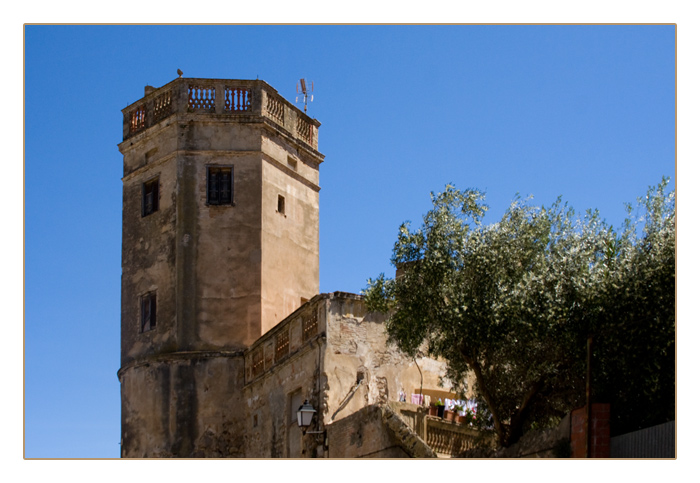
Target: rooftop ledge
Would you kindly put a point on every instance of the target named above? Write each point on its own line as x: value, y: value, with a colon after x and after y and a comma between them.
x: 220, y: 98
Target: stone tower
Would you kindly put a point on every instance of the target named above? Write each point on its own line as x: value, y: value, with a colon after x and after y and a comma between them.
x: 220, y: 242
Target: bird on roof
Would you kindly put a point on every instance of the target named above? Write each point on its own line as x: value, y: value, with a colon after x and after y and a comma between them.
x: 179, y: 72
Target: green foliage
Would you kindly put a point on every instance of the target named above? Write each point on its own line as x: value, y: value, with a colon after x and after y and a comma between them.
x: 513, y: 302
x: 634, y: 357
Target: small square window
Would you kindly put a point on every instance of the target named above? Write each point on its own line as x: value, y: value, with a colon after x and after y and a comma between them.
x: 280, y: 204
x: 148, y: 312
x: 149, y: 198
x: 219, y: 186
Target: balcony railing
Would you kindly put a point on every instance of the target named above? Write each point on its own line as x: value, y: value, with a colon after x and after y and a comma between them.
x: 446, y: 438
x: 220, y: 98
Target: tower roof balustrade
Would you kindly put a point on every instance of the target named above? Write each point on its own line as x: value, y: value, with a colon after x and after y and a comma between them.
x: 233, y: 99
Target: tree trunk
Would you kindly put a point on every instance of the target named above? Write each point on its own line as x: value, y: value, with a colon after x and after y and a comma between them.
x: 507, y: 433
x: 476, y: 367
x: 517, y: 420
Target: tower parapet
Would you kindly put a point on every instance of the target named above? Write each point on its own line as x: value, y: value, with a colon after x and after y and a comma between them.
x: 245, y: 100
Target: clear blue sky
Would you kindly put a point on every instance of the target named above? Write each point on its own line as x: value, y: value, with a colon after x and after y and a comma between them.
x: 586, y: 112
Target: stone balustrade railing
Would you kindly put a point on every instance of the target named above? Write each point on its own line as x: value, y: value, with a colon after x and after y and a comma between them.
x: 446, y: 438
x: 219, y: 98
x: 449, y: 438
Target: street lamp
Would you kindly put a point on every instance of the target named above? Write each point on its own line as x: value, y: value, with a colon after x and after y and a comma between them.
x: 304, y: 415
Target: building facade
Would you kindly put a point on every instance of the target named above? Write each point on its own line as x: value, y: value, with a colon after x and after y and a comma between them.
x: 224, y: 333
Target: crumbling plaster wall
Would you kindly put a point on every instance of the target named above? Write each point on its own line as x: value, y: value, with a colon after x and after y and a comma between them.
x: 149, y: 245
x: 361, y: 369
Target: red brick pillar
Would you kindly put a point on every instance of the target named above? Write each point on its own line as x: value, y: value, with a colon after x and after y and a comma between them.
x: 600, y: 431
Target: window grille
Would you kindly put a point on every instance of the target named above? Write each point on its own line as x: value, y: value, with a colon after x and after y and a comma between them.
x: 282, y: 345
x: 219, y: 186
x: 258, y: 362
x: 310, y: 326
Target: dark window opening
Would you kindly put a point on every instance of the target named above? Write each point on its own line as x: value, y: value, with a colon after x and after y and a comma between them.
x: 148, y: 312
x: 219, y: 186
x: 149, y: 197
x: 280, y: 204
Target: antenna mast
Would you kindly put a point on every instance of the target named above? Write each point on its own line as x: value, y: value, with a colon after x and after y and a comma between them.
x: 308, y: 94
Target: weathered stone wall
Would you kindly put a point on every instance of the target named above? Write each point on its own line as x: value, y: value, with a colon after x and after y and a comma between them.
x: 282, y: 370
x: 149, y: 244
x: 182, y: 406
x: 341, y: 367
x: 358, y: 352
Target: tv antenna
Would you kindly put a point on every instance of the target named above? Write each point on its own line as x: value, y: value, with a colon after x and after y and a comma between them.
x: 308, y: 94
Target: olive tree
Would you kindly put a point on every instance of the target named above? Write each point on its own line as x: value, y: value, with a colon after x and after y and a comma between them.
x: 512, y: 302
